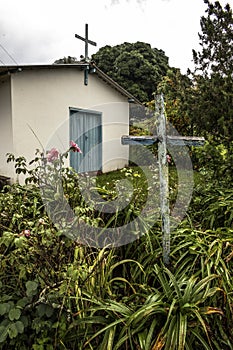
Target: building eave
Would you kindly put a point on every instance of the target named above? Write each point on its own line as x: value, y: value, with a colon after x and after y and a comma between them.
x: 13, y: 69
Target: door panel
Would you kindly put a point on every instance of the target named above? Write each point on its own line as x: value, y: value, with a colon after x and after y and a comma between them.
x: 86, y: 131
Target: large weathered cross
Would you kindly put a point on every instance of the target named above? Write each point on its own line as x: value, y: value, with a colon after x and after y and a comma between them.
x: 87, y: 41
x: 163, y: 140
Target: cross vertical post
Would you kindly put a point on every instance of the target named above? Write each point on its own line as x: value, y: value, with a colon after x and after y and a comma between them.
x: 163, y: 177
x: 87, y: 41
x: 163, y: 140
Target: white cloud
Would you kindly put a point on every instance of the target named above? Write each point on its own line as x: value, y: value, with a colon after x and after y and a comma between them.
x: 42, y: 30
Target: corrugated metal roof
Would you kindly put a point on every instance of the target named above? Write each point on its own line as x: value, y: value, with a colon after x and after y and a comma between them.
x: 7, y: 70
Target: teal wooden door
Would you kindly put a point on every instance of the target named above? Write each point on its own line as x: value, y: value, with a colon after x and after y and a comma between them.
x: 86, y: 131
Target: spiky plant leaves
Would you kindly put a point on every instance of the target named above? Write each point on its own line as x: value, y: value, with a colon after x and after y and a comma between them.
x: 108, y: 340
x: 160, y: 342
x: 196, y: 333
x: 149, y: 335
x: 183, y: 322
x: 109, y: 328
x: 208, y: 310
x: 183, y: 296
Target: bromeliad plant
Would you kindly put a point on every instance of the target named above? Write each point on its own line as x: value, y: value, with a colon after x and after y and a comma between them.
x: 176, y: 315
x: 187, y: 303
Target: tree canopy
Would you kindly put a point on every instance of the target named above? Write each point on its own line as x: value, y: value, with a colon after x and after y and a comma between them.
x: 216, y: 41
x: 176, y: 87
x: 135, y: 66
x: 199, y: 102
x: 212, y: 95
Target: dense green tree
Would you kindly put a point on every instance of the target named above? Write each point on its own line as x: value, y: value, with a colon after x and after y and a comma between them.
x: 216, y: 41
x: 176, y: 88
x: 212, y: 100
x: 135, y: 66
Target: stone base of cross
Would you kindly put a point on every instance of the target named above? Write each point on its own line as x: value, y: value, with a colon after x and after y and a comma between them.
x: 163, y: 141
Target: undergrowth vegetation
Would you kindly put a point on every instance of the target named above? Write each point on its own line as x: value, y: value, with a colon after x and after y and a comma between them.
x: 57, y: 293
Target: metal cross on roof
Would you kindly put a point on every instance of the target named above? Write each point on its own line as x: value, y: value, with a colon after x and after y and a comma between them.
x: 86, y: 40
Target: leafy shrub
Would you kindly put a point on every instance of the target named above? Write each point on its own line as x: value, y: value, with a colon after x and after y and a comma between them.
x: 214, y: 160
x: 56, y: 293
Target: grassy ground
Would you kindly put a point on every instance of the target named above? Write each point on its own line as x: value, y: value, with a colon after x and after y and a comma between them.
x: 139, y: 180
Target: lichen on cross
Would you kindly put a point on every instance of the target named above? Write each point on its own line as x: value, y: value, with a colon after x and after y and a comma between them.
x: 163, y: 141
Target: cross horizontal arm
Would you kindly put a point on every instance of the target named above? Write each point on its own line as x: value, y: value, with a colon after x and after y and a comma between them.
x: 143, y: 140
x: 185, y: 140
x: 171, y: 140
x: 86, y: 40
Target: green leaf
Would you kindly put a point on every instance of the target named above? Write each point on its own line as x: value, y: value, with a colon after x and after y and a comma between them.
x: 201, y: 340
x: 21, y: 303
x: 12, y: 330
x: 110, y: 326
x: 203, y: 284
x: 31, y: 288
x: 49, y: 311
x: 20, y: 327
x: 170, y: 334
x: 7, y: 238
x: 24, y: 320
x: 44, y: 309
x: 150, y: 335
x: 108, y: 340
x: 182, y: 331
x: 20, y: 242
x: 3, y: 334
x: 41, y: 308
x: 14, y: 314
x: 4, y: 308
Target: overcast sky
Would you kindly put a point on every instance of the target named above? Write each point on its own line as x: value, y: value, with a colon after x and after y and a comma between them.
x: 41, y: 31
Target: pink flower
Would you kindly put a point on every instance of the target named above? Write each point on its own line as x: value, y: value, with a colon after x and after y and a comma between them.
x: 52, y: 155
x: 169, y: 158
x: 25, y: 233
x: 74, y: 147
